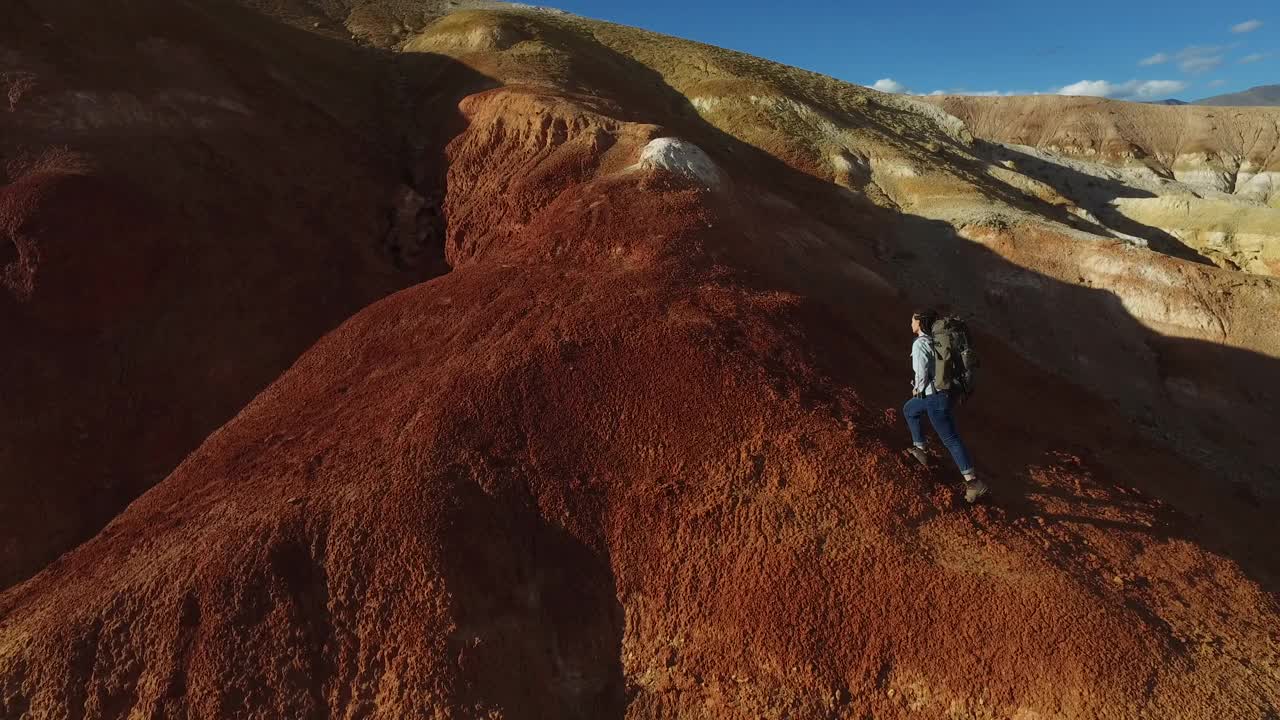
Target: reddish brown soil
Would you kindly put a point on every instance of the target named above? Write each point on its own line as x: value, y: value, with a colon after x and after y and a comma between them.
x: 608, y: 466
x: 637, y: 455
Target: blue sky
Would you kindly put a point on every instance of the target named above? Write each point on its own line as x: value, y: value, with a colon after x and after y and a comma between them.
x: 1191, y: 49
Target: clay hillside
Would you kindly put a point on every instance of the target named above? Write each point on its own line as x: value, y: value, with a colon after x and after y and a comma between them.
x: 368, y: 361
x: 1204, y: 181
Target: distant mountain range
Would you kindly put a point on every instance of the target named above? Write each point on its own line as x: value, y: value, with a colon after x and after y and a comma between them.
x: 1260, y: 95
x: 1254, y: 96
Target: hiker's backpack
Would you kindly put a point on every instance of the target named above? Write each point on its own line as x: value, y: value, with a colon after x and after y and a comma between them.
x: 955, y: 360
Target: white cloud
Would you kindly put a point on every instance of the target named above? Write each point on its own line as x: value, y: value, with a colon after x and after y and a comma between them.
x: 1153, y: 89
x: 1246, y: 26
x: 1197, y: 65
x: 1254, y: 58
x: 1155, y: 59
x: 1093, y: 88
x: 1131, y: 90
x: 889, y: 85
x: 1198, y: 59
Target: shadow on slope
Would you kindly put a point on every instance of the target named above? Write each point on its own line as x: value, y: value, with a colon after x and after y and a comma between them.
x: 1206, y: 406
x: 1096, y: 194
x: 241, y: 242
x: 538, y: 626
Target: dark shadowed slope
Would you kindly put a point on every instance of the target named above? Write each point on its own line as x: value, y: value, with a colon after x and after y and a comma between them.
x: 190, y: 195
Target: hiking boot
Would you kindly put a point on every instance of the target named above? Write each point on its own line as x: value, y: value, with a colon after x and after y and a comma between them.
x: 919, y: 454
x: 974, y: 489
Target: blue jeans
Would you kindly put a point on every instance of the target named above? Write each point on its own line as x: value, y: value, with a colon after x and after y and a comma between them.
x: 938, y: 407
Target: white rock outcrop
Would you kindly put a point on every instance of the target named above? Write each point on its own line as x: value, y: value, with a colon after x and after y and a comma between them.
x: 682, y: 158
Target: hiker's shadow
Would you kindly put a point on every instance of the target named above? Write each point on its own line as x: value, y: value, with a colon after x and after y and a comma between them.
x: 528, y: 596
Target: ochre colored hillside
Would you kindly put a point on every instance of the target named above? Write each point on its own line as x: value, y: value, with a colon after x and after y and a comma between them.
x: 637, y: 452
x: 1203, y: 180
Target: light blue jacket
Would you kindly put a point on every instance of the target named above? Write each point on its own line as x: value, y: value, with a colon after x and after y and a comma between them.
x: 922, y: 360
